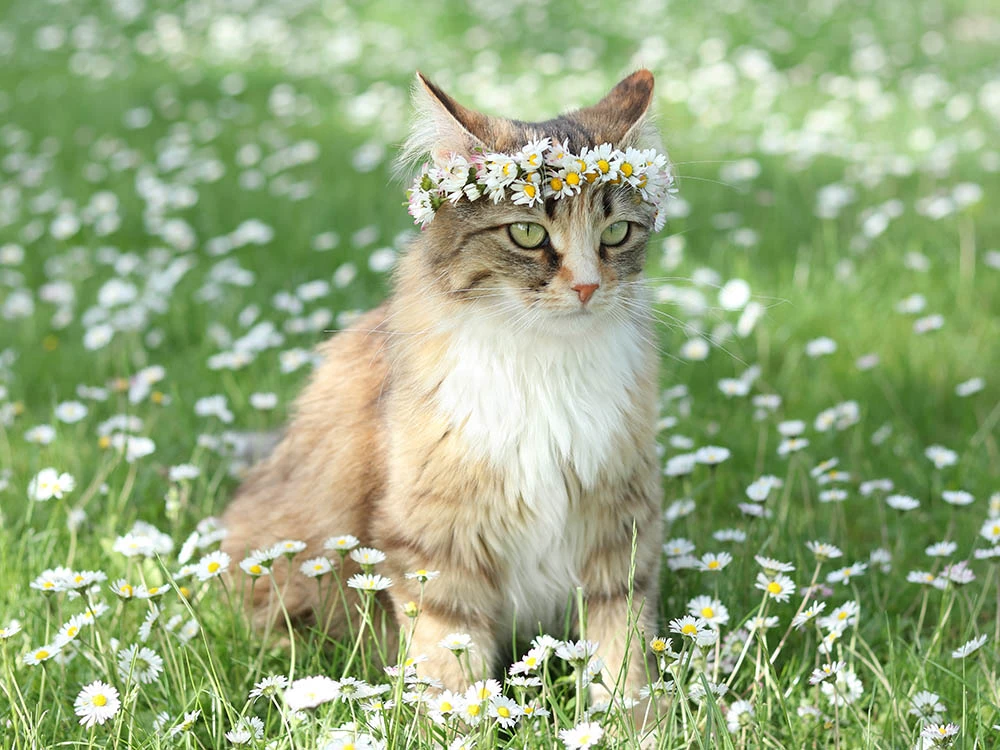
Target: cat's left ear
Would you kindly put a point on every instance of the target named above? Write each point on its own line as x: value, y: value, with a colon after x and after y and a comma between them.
x: 621, y: 117
x: 442, y: 126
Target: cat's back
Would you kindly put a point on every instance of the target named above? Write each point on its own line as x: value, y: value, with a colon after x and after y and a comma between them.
x: 330, y: 463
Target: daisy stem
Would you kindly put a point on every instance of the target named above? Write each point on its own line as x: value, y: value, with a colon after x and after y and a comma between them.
x: 996, y: 613
x: 923, y: 613
x: 291, y: 630
x: 333, y: 605
x: 367, y: 599
x: 284, y: 721
x: 578, y: 709
x: 836, y: 717
x: 799, y: 611
x: 946, y: 608
x: 20, y: 707
x: 41, y: 694
x: 746, y: 645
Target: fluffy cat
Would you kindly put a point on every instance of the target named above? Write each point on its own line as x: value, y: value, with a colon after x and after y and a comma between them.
x: 494, y: 420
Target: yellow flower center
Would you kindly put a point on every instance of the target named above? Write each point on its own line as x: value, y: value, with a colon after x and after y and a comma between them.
x: 100, y: 700
x: 603, y: 165
x: 530, y: 661
x: 126, y: 590
x: 473, y: 709
x: 713, y: 565
x: 213, y: 567
x: 774, y: 587
x: 48, y: 585
x: 573, y: 178
x: 529, y: 190
x: 506, y: 170
x: 446, y: 706
x: 626, y: 169
x: 483, y: 694
x: 556, y: 184
x: 707, y: 612
x: 42, y: 654
x: 659, y: 645
x: 689, y: 629
x: 155, y: 590
x: 72, y: 631
x: 317, y: 566
x: 504, y: 712
x: 533, y: 159
x: 591, y: 176
x: 841, y: 615
x: 78, y: 578
x: 184, y: 591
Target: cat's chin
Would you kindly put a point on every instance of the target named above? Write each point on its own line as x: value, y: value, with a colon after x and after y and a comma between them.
x: 573, y: 322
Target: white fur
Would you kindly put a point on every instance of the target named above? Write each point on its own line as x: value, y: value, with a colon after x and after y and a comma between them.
x: 535, y: 404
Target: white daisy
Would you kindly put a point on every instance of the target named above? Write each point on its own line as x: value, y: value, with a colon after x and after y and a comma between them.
x: 315, y: 568
x: 49, y: 483
x: 969, y: 647
x: 710, y: 610
x: 212, y: 565
x: 582, y: 736
x: 309, y: 692
x: 140, y: 664
x: 527, y: 191
x: 369, y: 582
x: 779, y: 588
x: 456, y: 642
x: 367, y: 556
x: 96, y: 703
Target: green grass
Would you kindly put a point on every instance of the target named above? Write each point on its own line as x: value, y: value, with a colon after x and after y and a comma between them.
x: 813, y: 275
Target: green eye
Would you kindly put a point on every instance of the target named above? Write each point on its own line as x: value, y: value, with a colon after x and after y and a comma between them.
x: 614, y: 234
x: 528, y: 236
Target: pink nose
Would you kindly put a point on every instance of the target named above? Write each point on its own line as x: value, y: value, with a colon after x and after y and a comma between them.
x: 585, y: 291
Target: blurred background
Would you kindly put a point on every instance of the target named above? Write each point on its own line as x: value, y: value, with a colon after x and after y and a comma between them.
x: 207, y: 186
x: 195, y: 194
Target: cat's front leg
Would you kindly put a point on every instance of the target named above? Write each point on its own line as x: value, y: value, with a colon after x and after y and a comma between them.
x: 621, y: 633
x: 436, y: 640
x: 621, y: 604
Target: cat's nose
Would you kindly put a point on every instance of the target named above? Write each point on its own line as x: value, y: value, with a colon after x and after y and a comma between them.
x: 585, y: 291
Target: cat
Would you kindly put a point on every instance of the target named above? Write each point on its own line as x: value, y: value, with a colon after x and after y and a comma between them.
x: 494, y: 420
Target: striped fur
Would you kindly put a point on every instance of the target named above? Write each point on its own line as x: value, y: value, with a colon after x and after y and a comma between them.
x: 484, y: 422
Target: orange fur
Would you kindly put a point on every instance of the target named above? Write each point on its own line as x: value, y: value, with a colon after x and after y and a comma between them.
x: 371, y: 452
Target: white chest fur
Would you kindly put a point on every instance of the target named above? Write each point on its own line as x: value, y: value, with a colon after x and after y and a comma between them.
x: 537, y: 406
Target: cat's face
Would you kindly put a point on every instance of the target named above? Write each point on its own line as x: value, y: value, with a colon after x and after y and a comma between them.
x: 562, y: 265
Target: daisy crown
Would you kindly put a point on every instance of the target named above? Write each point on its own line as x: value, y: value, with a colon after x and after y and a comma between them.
x: 465, y: 156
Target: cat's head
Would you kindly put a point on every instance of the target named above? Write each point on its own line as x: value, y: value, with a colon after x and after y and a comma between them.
x: 563, y: 263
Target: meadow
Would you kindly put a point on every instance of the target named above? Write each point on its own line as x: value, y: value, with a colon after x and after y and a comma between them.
x: 194, y: 194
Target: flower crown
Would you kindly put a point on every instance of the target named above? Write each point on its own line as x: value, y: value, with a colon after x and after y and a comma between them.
x: 540, y: 170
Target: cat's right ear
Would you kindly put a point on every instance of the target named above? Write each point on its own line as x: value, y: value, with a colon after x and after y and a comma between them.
x: 442, y: 126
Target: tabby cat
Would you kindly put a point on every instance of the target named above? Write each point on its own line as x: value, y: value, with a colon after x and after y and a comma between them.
x: 494, y: 420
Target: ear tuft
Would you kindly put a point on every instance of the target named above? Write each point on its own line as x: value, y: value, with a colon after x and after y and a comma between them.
x: 441, y: 126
